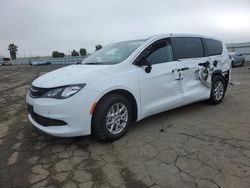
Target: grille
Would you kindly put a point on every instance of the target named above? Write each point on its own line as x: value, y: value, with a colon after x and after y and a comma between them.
x: 37, y: 92
x: 46, y: 122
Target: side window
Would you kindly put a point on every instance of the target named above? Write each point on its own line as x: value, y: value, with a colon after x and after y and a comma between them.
x: 160, y: 52
x: 214, y: 47
x: 187, y: 47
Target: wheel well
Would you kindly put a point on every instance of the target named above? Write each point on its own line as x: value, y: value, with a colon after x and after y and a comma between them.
x: 225, y: 75
x: 128, y: 96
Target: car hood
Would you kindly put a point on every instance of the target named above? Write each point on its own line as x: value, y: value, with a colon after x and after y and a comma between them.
x: 74, y: 74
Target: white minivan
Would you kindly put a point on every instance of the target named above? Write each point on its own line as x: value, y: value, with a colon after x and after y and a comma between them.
x: 127, y: 81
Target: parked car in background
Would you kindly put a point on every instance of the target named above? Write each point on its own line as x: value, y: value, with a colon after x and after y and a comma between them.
x: 127, y: 81
x: 6, y: 61
x: 40, y: 63
x: 237, y: 59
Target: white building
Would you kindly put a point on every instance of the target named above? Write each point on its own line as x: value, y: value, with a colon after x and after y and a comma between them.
x: 243, y: 48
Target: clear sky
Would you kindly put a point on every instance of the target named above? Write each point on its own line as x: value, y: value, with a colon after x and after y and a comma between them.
x: 39, y: 27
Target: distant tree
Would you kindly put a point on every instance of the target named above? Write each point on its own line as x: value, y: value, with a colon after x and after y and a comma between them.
x: 74, y: 53
x: 83, y: 52
x: 98, y: 47
x: 56, y: 54
x: 13, y: 50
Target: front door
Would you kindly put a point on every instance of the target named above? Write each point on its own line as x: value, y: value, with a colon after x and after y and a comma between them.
x: 160, y: 89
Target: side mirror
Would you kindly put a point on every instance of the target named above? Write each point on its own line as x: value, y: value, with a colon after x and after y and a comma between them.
x: 142, y: 61
x: 148, y: 68
x: 148, y: 65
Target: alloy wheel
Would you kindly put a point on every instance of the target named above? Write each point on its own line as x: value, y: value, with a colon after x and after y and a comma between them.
x: 218, y: 90
x: 116, y: 118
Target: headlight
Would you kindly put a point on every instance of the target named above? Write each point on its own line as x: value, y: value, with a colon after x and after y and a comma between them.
x: 63, y: 92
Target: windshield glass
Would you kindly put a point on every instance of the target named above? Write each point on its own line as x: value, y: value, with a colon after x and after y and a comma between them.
x: 113, y: 53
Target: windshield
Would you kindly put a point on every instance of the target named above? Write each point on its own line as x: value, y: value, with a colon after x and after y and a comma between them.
x: 113, y: 53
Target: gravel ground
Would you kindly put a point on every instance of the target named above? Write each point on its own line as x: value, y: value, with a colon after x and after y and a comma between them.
x: 198, y: 145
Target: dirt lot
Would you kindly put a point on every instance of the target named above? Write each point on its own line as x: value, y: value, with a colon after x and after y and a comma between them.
x: 194, y: 146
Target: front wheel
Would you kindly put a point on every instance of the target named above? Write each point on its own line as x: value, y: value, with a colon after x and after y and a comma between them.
x: 111, y: 118
x: 218, y: 90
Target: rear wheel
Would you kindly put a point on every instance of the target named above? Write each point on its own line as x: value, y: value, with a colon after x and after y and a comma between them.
x: 111, y: 118
x: 218, y: 90
x: 232, y: 64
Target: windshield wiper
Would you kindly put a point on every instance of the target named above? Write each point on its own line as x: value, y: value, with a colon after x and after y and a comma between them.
x: 94, y: 63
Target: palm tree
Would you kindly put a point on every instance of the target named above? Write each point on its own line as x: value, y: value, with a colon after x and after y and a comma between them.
x: 13, y: 50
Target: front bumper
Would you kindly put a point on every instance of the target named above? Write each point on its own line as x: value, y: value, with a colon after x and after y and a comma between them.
x: 44, y: 121
x: 73, y: 113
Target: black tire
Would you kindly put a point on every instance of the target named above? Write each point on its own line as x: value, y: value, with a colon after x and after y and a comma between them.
x: 216, y: 80
x: 243, y: 62
x: 99, y: 128
x: 232, y: 64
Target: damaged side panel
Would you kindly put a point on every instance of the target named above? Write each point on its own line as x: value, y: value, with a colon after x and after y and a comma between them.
x: 195, y: 84
x: 186, y: 79
x: 217, y: 64
x: 197, y: 73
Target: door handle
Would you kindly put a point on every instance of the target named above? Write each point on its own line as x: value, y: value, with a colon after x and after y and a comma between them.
x: 205, y: 64
x: 184, y: 68
x: 177, y: 70
x: 178, y: 79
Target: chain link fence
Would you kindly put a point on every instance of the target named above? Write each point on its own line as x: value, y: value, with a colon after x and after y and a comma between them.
x: 48, y: 60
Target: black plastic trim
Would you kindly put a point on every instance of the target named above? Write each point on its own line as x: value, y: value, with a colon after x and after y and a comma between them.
x: 44, y: 121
